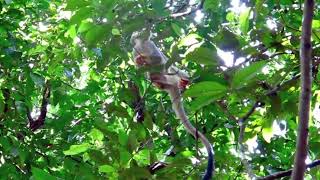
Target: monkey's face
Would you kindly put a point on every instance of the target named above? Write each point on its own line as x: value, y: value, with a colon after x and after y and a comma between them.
x: 142, y: 35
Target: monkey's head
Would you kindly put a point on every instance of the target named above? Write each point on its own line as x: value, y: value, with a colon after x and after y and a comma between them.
x: 142, y: 35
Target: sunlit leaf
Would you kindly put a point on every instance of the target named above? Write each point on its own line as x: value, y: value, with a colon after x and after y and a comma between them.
x: 142, y: 157
x: 77, y: 149
x: 244, y: 20
x: 96, y: 134
x: 244, y: 75
x: 206, y: 88
x: 115, y: 32
x: 189, y: 40
x: 107, y: 169
x: 267, y: 134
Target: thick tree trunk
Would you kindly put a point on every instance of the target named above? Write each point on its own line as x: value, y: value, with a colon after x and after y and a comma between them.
x: 305, y: 95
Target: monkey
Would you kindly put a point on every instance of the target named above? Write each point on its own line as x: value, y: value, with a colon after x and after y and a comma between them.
x: 171, y: 80
x: 146, y: 54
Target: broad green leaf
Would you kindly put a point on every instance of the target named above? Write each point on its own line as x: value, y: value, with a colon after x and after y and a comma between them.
x: 85, y: 26
x: 107, y: 169
x: 123, y: 138
x: 141, y: 132
x: 96, y: 134
x: 190, y: 40
x: 147, y: 120
x: 231, y: 16
x: 142, y: 157
x: 77, y: 149
x: 211, y: 5
x: 80, y: 15
x: 37, y: 79
x: 200, y: 102
x: 117, y: 110
x: 133, y: 140
x: 206, y: 88
x: 178, y: 30
x: 244, y: 75
x: 244, y: 20
x: 267, y: 134
x: 39, y: 174
x: 75, y: 4
x: 96, y: 34
x: 158, y: 6
x: 203, y: 56
x: 226, y: 40
x: 125, y: 157
x: 315, y: 24
x: 72, y: 32
x: 37, y: 50
x: 115, y: 32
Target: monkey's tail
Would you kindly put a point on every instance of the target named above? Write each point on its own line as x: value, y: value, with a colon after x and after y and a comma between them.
x: 181, y: 114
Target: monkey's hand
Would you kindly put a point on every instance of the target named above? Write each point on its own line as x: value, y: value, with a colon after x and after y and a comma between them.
x: 140, y: 60
x: 183, y: 83
x: 159, y: 80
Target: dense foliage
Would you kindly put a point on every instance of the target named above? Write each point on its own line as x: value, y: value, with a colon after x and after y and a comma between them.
x: 73, y: 106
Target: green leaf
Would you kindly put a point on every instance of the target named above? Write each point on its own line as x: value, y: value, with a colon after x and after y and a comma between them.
x: 107, y: 169
x: 96, y: 34
x: 206, y: 88
x: 77, y: 149
x: 75, y: 4
x: 1, y: 102
x: 316, y: 24
x: 244, y: 20
x: 125, y: 157
x: 200, y: 102
x: 226, y: 40
x: 80, y: 15
x: 72, y: 31
x: 96, y: 134
x: 37, y: 79
x: 115, y: 32
x: 37, y: 50
x: 85, y: 26
x: 142, y: 157
x: 158, y: 6
x: 190, y: 40
x: 267, y: 134
x: 39, y: 174
x: 123, y: 138
x: 203, y: 56
x: 117, y: 110
x: 178, y: 30
x: 244, y: 75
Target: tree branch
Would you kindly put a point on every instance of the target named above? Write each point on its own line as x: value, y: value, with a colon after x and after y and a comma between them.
x: 34, y: 125
x: 305, y: 95
x: 288, y: 172
x: 188, y: 12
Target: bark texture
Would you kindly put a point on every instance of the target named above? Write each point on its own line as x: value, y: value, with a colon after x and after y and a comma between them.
x: 305, y: 95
